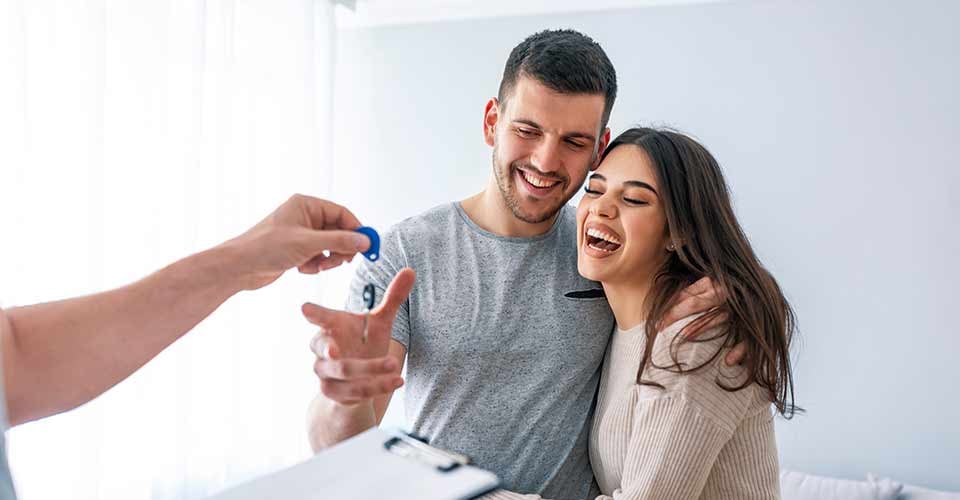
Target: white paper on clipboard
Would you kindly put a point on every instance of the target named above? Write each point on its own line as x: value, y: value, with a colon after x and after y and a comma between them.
x: 364, y: 468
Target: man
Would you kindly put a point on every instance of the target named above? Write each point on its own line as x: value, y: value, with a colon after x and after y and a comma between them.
x: 503, y: 353
x: 59, y: 355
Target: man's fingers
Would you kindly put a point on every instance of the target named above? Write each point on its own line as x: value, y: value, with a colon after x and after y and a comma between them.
x: 354, y: 392
x: 690, y: 305
x: 396, y: 293
x: 737, y: 355
x: 323, y: 346
x: 330, y: 319
x: 354, y: 369
x: 699, y: 297
x: 697, y: 328
x: 701, y: 286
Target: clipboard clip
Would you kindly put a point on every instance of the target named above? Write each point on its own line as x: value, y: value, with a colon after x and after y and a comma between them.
x: 414, y: 448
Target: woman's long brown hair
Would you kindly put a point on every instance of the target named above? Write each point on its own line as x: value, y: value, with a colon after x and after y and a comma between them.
x: 710, y: 242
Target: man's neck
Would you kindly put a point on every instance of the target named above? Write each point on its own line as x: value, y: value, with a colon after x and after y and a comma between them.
x: 488, y: 210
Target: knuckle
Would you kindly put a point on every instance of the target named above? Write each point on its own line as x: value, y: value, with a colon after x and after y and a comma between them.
x: 328, y: 390
x: 336, y: 370
x: 386, y: 385
x: 316, y: 345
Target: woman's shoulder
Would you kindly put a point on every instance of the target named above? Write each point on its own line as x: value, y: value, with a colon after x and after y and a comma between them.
x: 677, y: 344
x: 694, y: 371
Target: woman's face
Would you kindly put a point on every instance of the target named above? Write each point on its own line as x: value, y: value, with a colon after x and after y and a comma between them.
x: 622, y: 227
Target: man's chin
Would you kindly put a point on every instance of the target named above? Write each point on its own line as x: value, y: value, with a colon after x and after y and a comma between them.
x: 536, y: 215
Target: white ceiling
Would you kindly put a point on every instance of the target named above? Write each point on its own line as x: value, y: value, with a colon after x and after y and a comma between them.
x: 384, y: 12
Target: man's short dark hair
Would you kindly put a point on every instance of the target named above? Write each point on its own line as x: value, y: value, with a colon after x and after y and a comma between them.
x: 565, y: 61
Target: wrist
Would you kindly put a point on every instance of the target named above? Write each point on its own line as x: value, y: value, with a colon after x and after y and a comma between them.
x: 221, y: 268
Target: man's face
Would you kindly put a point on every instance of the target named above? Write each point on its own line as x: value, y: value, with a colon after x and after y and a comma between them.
x: 544, y: 144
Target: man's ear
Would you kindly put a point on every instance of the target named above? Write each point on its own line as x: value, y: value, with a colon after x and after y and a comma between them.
x: 601, y: 147
x: 490, y: 117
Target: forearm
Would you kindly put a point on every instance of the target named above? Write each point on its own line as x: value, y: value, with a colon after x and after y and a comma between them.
x: 59, y: 355
x: 329, y: 422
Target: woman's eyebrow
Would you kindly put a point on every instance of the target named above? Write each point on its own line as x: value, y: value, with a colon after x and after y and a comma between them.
x: 641, y: 184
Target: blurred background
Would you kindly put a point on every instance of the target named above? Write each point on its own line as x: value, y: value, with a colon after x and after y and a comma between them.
x: 133, y: 133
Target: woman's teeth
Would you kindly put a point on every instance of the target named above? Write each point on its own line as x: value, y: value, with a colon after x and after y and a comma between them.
x: 536, y: 181
x: 596, y: 233
x: 602, y: 241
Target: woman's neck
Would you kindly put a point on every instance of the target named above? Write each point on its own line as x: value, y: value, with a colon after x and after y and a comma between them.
x: 627, y: 299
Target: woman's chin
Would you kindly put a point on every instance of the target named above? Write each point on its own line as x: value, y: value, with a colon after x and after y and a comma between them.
x: 593, y: 271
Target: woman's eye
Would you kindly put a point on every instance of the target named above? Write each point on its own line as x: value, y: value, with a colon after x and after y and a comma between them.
x: 635, y: 202
x: 591, y: 191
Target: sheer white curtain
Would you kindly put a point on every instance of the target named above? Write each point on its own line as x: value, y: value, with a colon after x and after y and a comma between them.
x: 133, y: 133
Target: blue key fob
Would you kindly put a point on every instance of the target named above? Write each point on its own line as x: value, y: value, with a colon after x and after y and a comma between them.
x: 373, y: 253
x: 369, y: 296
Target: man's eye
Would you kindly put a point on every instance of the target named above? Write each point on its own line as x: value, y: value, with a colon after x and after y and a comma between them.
x: 575, y: 145
x: 525, y: 132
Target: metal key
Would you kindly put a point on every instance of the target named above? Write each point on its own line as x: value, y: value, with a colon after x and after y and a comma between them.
x: 369, y: 298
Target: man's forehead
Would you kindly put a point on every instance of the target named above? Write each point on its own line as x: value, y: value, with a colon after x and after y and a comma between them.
x: 564, y: 113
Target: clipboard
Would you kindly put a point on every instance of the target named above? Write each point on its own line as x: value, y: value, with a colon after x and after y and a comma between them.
x: 375, y: 464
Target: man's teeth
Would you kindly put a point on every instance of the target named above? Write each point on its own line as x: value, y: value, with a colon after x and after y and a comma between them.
x: 596, y: 233
x: 536, y: 181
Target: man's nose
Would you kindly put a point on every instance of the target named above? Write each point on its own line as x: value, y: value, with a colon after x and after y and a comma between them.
x: 547, y: 157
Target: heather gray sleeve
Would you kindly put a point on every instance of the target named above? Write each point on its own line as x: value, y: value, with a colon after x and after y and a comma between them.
x: 381, y: 273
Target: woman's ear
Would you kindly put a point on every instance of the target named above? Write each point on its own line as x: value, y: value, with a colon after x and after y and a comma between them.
x: 673, y: 244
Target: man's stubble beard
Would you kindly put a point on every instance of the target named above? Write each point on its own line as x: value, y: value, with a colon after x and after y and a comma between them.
x: 506, y: 180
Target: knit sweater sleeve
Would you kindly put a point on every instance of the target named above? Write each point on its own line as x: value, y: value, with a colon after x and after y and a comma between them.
x: 676, y: 432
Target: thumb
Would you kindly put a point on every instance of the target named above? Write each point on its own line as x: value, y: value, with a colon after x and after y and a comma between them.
x: 397, y: 292
x: 334, y: 241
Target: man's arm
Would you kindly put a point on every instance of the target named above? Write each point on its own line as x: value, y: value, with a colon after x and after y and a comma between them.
x: 59, y: 355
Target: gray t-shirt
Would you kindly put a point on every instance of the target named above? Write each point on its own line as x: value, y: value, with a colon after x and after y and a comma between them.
x: 502, y: 365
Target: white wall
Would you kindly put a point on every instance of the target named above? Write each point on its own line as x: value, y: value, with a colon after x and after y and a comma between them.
x: 837, y: 125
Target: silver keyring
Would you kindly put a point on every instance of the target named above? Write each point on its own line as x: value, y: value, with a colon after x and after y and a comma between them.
x: 366, y: 321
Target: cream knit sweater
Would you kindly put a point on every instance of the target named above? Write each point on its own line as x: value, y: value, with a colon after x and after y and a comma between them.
x: 690, y: 440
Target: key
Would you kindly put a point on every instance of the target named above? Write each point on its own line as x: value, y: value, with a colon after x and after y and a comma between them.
x: 369, y: 298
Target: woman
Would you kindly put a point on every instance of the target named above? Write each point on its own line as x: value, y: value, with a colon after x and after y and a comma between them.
x: 672, y: 421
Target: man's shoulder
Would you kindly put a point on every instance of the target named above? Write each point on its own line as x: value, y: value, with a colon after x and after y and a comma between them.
x: 433, y: 221
x: 568, y: 217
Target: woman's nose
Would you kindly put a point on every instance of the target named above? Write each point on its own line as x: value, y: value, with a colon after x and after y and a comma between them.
x: 602, y: 208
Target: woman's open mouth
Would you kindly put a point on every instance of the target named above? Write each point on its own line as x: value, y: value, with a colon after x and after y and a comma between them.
x: 602, y: 240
